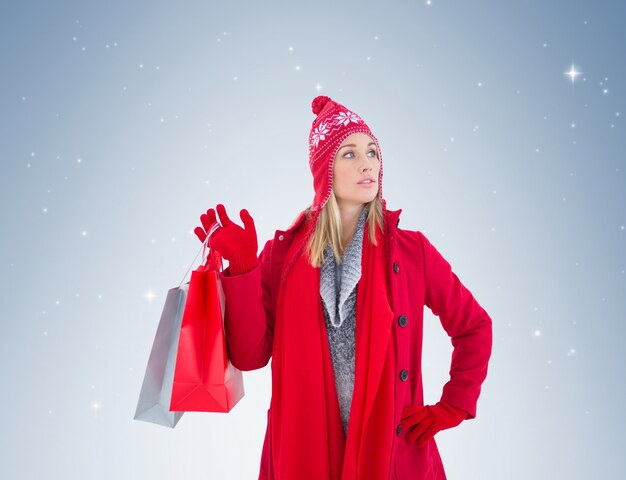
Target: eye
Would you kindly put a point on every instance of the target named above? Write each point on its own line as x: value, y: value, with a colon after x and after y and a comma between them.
x: 351, y: 153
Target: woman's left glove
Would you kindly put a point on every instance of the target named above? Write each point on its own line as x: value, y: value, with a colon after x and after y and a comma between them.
x: 430, y: 419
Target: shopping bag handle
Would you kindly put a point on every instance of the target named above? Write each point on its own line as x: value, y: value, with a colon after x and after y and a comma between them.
x: 212, y: 230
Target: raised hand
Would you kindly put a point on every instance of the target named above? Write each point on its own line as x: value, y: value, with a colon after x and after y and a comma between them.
x: 236, y: 244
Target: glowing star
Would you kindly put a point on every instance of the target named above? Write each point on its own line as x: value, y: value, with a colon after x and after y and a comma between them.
x: 572, y: 73
x: 149, y: 296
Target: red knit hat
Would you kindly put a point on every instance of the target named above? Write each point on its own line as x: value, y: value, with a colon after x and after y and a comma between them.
x: 333, y: 124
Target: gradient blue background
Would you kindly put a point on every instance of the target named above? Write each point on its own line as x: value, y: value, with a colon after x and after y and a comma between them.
x: 122, y: 122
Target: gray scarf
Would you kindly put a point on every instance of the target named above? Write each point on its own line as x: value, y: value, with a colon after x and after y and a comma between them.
x: 338, y: 289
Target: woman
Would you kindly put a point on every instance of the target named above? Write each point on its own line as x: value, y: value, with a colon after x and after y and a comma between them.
x: 337, y: 302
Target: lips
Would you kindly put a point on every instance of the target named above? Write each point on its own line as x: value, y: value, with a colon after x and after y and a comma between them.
x: 367, y: 181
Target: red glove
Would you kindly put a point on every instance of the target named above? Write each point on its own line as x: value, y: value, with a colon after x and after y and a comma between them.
x: 235, y: 244
x: 430, y: 419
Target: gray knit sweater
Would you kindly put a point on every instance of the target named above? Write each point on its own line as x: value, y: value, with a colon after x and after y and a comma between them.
x: 338, y: 289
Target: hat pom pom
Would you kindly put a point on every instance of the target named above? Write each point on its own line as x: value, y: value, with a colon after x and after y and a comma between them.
x: 318, y: 103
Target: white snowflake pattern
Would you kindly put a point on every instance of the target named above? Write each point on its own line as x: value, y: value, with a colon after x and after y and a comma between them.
x: 346, y: 117
x: 324, y: 128
x: 319, y: 132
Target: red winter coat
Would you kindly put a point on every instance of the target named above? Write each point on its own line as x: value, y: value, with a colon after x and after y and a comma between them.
x: 419, y: 276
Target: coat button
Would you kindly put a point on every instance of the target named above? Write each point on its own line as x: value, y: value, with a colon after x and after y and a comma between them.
x: 280, y: 237
x: 402, y: 320
x: 404, y: 374
x: 396, y: 267
x: 399, y: 430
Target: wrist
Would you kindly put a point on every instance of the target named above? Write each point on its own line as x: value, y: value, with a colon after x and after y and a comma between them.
x: 242, y: 264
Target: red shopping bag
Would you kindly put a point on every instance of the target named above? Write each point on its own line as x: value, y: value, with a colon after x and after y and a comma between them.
x: 204, y: 378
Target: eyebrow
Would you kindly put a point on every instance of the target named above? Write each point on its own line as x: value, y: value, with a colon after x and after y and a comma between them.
x: 353, y: 145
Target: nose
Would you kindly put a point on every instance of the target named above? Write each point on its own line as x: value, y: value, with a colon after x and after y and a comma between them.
x: 368, y: 166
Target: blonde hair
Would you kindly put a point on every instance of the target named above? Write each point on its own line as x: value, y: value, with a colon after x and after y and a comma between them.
x: 329, y: 230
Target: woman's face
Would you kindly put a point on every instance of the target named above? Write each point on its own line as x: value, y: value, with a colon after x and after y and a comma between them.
x: 356, y: 159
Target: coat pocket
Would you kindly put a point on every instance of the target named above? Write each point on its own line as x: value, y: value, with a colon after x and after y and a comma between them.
x: 418, y: 463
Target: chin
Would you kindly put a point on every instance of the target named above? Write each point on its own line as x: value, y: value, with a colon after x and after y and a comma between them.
x: 369, y: 198
x: 359, y: 199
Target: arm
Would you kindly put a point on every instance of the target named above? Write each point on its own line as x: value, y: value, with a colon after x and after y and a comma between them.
x: 466, y: 322
x: 249, y: 315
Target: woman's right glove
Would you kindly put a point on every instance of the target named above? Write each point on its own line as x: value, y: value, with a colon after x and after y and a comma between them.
x: 235, y: 244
